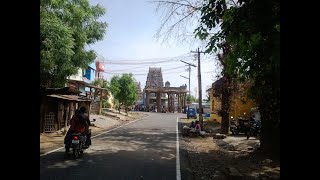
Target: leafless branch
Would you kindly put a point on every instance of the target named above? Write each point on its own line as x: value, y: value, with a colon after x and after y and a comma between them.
x: 168, y: 18
x: 172, y: 26
x: 177, y: 3
x: 179, y: 16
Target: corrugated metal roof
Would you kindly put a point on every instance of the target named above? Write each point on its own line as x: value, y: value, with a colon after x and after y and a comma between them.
x: 65, y: 90
x: 69, y: 97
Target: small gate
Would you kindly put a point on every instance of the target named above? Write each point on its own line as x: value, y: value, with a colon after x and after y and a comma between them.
x: 49, y: 122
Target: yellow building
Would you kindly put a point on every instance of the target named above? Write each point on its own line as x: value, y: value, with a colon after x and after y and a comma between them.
x: 241, y: 105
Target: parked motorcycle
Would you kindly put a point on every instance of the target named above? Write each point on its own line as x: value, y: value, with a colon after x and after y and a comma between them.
x: 255, y: 128
x: 241, y: 127
x: 233, y: 126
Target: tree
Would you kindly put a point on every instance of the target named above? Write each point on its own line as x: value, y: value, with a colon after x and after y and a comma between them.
x: 124, y: 90
x: 251, y: 29
x: 191, y: 98
x: 66, y: 27
x: 106, y: 88
x: 212, y: 16
x: 102, y: 83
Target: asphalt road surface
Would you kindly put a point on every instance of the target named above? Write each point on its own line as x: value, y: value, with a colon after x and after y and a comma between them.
x: 145, y: 149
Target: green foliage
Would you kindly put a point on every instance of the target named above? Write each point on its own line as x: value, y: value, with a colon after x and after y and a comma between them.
x: 251, y: 31
x: 66, y: 27
x: 101, y: 83
x: 124, y: 90
x: 191, y: 98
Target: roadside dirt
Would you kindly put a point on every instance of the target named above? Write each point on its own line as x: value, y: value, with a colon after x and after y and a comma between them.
x: 233, y: 157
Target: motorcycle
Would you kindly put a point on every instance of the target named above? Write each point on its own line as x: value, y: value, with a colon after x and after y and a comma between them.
x: 255, y: 128
x: 242, y: 127
x: 78, y: 144
x: 233, y: 126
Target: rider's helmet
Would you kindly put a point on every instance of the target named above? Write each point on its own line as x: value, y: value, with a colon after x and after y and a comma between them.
x: 83, y: 109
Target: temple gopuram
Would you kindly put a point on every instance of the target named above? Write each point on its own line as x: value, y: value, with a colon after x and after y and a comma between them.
x: 159, y: 98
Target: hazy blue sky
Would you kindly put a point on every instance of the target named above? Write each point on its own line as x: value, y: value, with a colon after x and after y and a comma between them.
x: 132, y: 25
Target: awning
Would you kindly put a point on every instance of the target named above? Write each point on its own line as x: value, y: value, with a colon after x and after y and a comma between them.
x: 70, y: 97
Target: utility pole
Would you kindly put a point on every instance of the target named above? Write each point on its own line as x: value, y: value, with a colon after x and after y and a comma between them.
x: 200, y: 89
x: 189, y: 69
x: 189, y: 81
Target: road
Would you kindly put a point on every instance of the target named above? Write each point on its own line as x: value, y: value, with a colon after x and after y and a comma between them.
x: 145, y: 149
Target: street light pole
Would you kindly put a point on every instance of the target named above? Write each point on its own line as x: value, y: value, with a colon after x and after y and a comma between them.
x: 189, y: 81
x: 189, y: 69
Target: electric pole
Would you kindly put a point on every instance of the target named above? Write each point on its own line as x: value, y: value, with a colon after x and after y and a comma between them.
x: 189, y: 81
x: 200, y: 89
x: 189, y: 69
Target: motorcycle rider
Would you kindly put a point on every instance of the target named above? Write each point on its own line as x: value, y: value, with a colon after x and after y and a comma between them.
x: 79, y: 123
x: 86, y: 121
x: 75, y: 127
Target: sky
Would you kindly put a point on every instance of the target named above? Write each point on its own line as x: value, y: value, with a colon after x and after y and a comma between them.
x: 130, y: 46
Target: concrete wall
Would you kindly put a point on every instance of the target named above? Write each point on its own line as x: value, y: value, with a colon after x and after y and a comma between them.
x: 78, y: 76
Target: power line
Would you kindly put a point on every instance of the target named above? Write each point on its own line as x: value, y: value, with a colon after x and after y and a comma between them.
x: 144, y: 61
x: 208, y: 72
x: 119, y: 73
x: 137, y: 69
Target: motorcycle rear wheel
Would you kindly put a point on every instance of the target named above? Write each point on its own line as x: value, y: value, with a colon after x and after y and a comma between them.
x: 76, y: 153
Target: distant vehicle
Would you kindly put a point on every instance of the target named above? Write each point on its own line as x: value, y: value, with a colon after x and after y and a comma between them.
x: 142, y: 108
x: 205, y: 107
x: 192, y: 112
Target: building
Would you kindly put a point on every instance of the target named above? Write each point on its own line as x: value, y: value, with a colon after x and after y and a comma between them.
x: 82, y: 82
x: 99, y: 69
x: 155, y: 80
x: 139, y: 92
x: 90, y: 73
x: 241, y: 104
x: 57, y: 106
x: 163, y: 99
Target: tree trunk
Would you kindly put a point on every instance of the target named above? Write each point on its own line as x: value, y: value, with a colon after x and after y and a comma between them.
x: 225, y: 105
x: 126, y: 110
x: 270, y: 128
x: 226, y: 89
x: 270, y: 139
